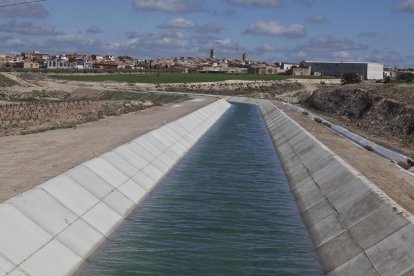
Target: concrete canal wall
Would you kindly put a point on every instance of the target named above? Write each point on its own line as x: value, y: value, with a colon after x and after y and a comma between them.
x: 356, y: 228
x: 53, y: 228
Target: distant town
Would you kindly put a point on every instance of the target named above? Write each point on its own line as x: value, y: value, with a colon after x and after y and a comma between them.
x: 36, y: 60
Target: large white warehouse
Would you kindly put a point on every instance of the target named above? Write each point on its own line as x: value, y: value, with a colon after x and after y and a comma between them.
x: 369, y: 70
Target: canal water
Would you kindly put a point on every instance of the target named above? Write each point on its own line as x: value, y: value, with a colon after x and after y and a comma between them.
x: 226, y: 209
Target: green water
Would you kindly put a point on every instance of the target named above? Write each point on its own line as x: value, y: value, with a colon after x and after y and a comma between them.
x: 226, y: 209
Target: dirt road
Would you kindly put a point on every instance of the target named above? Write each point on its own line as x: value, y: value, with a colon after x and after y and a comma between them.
x: 27, y: 161
x: 396, y: 183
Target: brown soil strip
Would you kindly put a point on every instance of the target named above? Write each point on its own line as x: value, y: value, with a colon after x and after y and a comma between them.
x: 27, y: 161
x: 395, y: 183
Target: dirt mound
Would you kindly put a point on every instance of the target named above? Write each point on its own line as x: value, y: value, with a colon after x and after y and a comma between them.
x: 377, y: 110
x: 261, y: 89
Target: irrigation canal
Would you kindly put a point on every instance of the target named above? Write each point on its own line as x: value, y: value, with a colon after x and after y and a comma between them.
x: 226, y: 209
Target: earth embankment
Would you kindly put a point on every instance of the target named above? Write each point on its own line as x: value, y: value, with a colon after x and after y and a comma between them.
x: 384, y: 113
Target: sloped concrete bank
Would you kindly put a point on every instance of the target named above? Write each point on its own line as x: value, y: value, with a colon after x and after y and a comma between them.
x: 53, y: 228
x: 356, y: 228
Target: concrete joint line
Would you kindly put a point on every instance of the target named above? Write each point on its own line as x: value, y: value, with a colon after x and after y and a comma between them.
x: 329, y: 202
x: 53, y: 237
x: 333, y: 208
x: 77, y: 219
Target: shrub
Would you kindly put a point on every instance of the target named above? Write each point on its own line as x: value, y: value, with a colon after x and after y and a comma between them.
x: 90, y: 116
x: 111, y: 109
x: 404, y: 165
x: 405, y: 77
x: 100, y: 114
x: 326, y: 124
x: 368, y: 148
x: 349, y: 78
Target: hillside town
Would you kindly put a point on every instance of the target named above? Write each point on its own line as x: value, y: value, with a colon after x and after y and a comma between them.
x: 80, y: 61
x: 77, y: 61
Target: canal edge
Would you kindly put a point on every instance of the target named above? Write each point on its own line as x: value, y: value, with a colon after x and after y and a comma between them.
x: 356, y: 228
x: 53, y: 228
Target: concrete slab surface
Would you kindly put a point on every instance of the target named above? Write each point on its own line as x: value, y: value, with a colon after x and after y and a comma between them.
x: 120, y: 164
x: 133, y: 191
x: 81, y: 238
x: 20, y: 237
x: 52, y: 259
x: 106, y: 171
x: 119, y: 202
x: 70, y: 194
x: 44, y: 210
x: 338, y: 251
x: 395, y: 254
x: 102, y: 218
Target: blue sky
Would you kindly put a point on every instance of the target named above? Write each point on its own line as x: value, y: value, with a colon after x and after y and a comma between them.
x: 271, y: 30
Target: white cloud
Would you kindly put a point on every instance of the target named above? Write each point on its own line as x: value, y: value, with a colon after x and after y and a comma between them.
x: 93, y: 30
x: 327, y: 47
x: 256, y: 3
x: 317, y: 19
x: 171, y: 6
x: 14, y: 42
x: 69, y: 38
x: 341, y: 54
x: 225, y: 47
x: 209, y: 28
x: 274, y: 28
x: 157, y: 42
x: 34, y: 10
x: 406, y: 5
x: 178, y: 22
x: 267, y: 47
x: 306, y: 2
x: 27, y: 28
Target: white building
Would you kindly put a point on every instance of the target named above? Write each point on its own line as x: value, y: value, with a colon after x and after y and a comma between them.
x: 58, y: 64
x: 287, y: 65
x: 369, y: 70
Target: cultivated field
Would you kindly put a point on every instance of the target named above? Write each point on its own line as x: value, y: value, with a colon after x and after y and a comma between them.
x: 6, y: 82
x: 173, y: 77
x: 42, y: 111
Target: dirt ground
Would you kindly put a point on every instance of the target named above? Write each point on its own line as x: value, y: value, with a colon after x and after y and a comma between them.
x: 397, y: 184
x: 27, y: 161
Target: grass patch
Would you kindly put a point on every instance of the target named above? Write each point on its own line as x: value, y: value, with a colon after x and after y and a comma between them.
x: 175, y: 78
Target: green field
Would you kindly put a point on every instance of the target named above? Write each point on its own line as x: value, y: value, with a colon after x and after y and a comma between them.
x: 171, y: 77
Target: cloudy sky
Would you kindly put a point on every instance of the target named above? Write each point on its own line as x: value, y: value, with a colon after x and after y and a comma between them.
x: 271, y: 30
